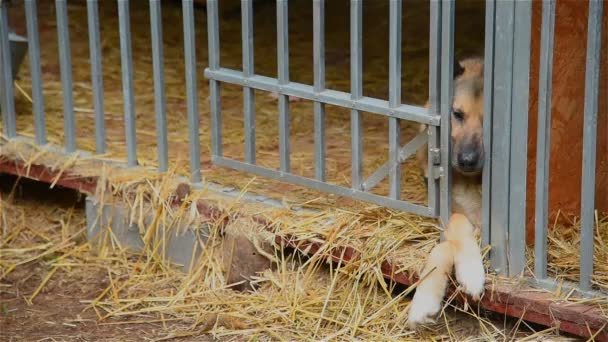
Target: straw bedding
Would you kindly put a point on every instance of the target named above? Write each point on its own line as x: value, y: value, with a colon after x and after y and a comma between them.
x: 300, y: 299
x: 290, y: 304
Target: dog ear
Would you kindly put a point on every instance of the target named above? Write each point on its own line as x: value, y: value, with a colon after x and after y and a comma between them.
x: 458, y: 69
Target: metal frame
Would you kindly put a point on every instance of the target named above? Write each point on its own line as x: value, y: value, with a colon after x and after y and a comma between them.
x: 394, y: 109
x: 507, y: 62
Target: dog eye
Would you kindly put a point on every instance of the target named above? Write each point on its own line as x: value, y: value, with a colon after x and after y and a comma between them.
x: 458, y: 115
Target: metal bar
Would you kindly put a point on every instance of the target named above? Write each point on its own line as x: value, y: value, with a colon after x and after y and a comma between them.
x: 394, y: 125
x: 160, y: 106
x: 486, y: 195
x: 447, y: 72
x: 248, y: 71
x: 325, y: 187
x: 543, y: 139
x: 127, y: 81
x: 33, y: 43
x: 356, y: 89
x: 213, y: 41
x: 501, y: 133
x: 65, y: 62
x: 283, y: 76
x: 332, y: 97
x: 592, y: 86
x: 433, y: 132
x: 404, y: 152
x: 96, y: 76
x: 318, y: 16
x: 191, y: 90
x: 519, y: 137
x: 7, y: 98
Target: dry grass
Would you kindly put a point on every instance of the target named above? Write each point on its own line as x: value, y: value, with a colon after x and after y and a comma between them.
x: 301, y: 299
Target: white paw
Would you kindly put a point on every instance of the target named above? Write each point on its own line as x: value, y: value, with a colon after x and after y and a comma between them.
x: 472, y: 277
x: 424, y: 306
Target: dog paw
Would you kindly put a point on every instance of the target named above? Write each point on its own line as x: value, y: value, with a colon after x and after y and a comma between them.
x: 423, y: 308
x: 472, y: 278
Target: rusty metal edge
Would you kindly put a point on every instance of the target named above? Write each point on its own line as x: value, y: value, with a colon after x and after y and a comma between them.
x: 537, y: 307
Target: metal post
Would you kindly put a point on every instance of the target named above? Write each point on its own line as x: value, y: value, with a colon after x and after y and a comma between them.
x: 213, y: 32
x: 394, y: 128
x: 248, y: 71
x: 283, y: 73
x: 127, y: 80
x: 65, y: 63
x: 592, y: 86
x: 356, y: 89
x: 543, y: 139
x: 96, y: 76
x: 434, y: 141
x: 191, y: 89
x: 159, y: 84
x: 319, y: 86
x: 33, y: 43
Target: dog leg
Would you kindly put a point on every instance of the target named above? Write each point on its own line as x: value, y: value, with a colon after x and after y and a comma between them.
x: 431, y: 290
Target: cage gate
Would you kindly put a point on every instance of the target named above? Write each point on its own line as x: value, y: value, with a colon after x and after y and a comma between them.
x: 436, y: 116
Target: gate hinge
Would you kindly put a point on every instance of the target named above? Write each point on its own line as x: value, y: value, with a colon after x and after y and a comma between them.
x: 437, y: 172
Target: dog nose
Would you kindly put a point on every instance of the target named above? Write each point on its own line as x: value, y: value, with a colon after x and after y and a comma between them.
x: 468, y: 159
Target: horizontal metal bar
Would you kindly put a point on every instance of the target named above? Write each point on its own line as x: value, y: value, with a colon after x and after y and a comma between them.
x: 404, y: 152
x: 33, y: 45
x: 325, y: 187
x: 332, y: 97
x: 592, y: 88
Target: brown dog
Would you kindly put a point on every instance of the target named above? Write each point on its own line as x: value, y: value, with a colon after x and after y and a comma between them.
x: 467, y: 157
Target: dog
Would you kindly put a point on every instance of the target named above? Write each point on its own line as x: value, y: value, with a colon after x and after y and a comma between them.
x: 459, y: 251
x: 468, y: 154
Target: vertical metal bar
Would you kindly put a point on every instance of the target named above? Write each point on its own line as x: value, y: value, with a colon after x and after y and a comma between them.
x: 7, y: 99
x: 356, y: 89
x: 283, y: 73
x: 319, y: 85
x: 434, y: 101
x: 127, y: 80
x: 501, y: 133
x: 160, y: 107
x: 191, y: 90
x: 33, y: 44
x: 592, y: 84
x: 519, y: 137
x: 65, y: 62
x: 96, y: 76
x: 543, y: 139
x: 488, y: 81
x: 248, y: 71
x: 213, y: 32
x: 394, y: 124
x: 447, y: 74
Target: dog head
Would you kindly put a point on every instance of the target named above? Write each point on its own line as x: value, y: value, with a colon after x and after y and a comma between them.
x: 467, y: 117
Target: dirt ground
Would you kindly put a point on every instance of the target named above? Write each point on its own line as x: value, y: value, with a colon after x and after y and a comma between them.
x: 61, y: 309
